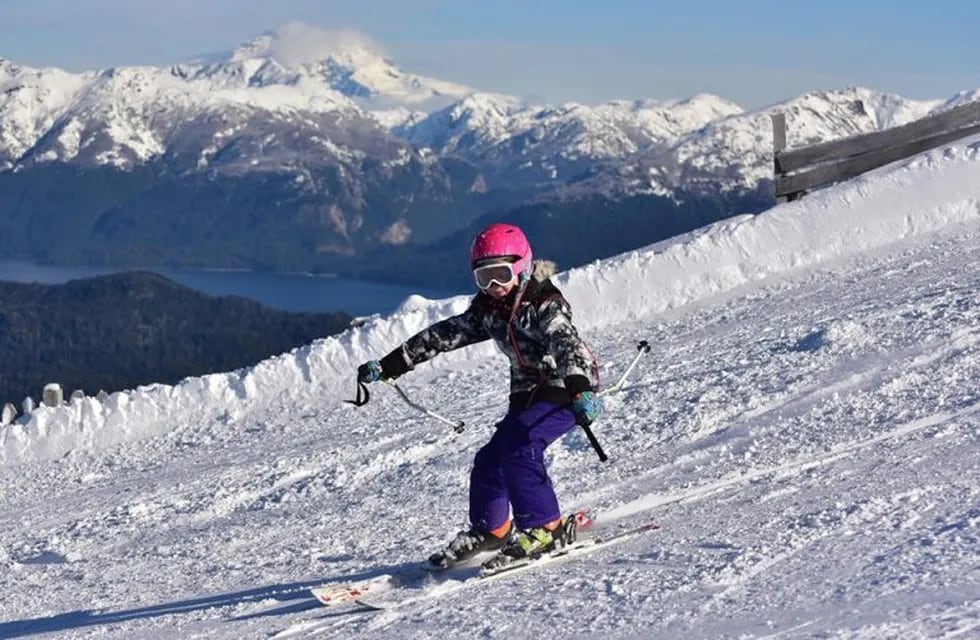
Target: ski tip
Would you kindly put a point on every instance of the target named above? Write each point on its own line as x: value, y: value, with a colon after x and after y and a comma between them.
x: 334, y: 597
x: 339, y: 593
x: 583, y: 521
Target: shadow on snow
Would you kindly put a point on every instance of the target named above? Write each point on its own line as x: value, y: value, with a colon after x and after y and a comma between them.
x: 297, y: 591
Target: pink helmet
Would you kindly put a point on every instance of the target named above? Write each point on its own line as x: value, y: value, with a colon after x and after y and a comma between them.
x: 502, y: 240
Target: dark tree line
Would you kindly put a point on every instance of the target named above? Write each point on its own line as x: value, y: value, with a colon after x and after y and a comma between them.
x: 119, y: 331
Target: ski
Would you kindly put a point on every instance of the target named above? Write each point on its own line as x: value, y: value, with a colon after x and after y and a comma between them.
x: 336, y: 594
x: 473, y: 576
x: 341, y: 593
x: 577, y: 548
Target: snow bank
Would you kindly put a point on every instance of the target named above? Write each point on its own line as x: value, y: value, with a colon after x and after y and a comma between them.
x: 899, y: 202
x: 156, y: 409
x: 905, y: 200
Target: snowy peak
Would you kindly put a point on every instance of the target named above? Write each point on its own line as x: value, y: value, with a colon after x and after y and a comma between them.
x: 125, y: 116
x: 661, y: 120
x: 32, y: 101
x: 7, y: 67
x: 496, y: 118
x: 557, y: 142
x: 484, y: 115
x: 347, y: 61
x: 819, y: 116
x: 297, y: 77
x: 963, y: 97
x: 734, y: 153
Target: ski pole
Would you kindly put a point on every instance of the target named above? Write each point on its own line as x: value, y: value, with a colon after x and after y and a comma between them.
x: 642, y: 347
x: 457, y: 425
x: 594, y: 442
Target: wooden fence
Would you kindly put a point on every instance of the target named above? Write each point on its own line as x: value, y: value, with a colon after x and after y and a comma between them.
x: 799, y: 170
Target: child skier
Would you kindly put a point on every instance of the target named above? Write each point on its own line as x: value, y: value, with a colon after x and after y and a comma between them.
x: 553, y: 380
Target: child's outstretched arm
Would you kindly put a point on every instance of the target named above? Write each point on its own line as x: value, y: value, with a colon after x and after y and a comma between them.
x: 449, y: 334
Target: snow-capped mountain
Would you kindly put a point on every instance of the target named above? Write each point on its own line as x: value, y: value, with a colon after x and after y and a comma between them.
x: 296, y: 90
x: 347, y: 61
x: 735, y: 152
x: 309, y: 92
x: 31, y: 103
x: 265, y: 111
x: 319, y: 149
x: 129, y: 115
x: 510, y: 140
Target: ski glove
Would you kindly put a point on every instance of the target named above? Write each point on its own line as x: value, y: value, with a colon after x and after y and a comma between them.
x: 370, y: 371
x: 587, y: 406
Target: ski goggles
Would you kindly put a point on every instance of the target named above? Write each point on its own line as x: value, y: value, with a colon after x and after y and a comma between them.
x: 500, y: 273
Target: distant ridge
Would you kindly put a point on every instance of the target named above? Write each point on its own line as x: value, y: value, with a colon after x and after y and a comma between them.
x: 119, y: 331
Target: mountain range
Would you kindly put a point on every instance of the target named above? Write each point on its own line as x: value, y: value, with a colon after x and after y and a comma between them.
x: 303, y: 151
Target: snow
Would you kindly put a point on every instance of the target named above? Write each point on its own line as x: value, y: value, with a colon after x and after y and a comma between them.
x: 805, y: 429
x: 31, y: 101
x: 347, y: 59
x: 300, y: 77
x: 740, y: 146
x: 482, y: 126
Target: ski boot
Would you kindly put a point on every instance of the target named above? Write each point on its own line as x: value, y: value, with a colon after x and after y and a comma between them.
x: 534, y: 542
x: 468, y: 544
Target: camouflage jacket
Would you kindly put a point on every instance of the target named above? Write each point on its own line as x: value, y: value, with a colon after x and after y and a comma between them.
x: 548, y: 359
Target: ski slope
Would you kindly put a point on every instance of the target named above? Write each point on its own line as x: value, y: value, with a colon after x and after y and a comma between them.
x: 806, y: 429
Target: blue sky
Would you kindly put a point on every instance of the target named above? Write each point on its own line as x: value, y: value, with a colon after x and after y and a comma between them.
x: 752, y: 52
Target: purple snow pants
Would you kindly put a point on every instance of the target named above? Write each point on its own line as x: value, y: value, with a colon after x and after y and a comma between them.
x: 509, y: 470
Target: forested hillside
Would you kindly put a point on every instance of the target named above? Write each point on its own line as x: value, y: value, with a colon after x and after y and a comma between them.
x: 118, y: 331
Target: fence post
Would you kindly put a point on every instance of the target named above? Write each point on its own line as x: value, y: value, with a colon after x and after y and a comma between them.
x: 52, y: 396
x: 8, y: 415
x: 778, y: 146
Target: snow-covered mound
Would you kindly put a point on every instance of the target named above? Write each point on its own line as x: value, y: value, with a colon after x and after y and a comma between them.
x: 912, y: 198
x: 901, y: 201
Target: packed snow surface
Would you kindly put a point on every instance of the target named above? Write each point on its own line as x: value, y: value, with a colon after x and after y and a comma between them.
x: 805, y: 429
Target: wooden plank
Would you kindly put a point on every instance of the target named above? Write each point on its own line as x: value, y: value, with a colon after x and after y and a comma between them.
x: 850, y: 167
x: 940, y: 123
x: 778, y: 143
x: 778, y: 131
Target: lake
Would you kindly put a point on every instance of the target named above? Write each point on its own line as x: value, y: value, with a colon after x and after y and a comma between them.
x: 289, y: 292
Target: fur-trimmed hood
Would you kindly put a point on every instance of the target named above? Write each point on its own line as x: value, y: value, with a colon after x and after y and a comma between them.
x: 543, y: 269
